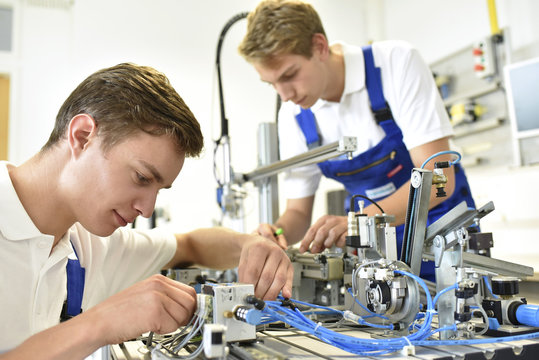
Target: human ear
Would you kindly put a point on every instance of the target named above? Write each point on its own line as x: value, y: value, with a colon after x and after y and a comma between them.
x: 82, y: 128
x: 320, y: 46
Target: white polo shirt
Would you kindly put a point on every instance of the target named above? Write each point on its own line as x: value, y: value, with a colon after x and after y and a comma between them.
x: 33, y: 283
x: 409, y: 89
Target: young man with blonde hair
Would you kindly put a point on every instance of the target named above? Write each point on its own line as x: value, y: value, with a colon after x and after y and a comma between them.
x: 383, y: 94
x: 120, y: 137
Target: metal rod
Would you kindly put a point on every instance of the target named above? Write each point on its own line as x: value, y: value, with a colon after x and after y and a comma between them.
x: 345, y: 145
x: 415, y: 225
x: 497, y: 266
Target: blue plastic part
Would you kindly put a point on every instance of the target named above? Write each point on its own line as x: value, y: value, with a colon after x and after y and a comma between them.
x: 493, y: 324
x: 528, y: 315
x: 253, y: 317
x: 219, y: 195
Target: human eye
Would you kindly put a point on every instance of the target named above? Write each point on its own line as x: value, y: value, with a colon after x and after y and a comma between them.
x: 289, y: 75
x: 141, y: 179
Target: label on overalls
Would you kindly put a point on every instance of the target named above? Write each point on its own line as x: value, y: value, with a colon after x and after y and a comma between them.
x: 381, y: 191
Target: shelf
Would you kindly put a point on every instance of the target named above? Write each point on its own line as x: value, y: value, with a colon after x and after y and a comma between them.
x: 462, y: 130
x: 473, y: 94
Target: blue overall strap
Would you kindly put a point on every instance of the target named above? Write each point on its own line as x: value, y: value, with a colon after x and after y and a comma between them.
x: 307, y: 123
x: 75, y: 287
x: 373, y: 81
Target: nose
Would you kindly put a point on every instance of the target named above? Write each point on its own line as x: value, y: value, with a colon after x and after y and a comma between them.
x: 285, y: 91
x: 145, y: 203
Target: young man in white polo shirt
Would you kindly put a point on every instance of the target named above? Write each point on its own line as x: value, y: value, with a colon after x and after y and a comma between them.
x: 120, y: 137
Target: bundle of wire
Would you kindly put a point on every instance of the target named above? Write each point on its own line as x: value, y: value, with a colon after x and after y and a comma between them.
x: 170, y: 346
x: 277, y: 311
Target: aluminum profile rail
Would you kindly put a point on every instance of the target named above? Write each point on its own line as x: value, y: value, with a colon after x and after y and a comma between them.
x: 347, y: 145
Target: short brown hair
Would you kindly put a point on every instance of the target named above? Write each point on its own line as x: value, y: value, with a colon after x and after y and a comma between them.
x: 280, y: 27
x: 126, y: 98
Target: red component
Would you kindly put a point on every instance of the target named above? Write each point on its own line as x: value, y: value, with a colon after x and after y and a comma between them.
x: 394, y: 171
x: 479, y: 67
x: 477, y: 52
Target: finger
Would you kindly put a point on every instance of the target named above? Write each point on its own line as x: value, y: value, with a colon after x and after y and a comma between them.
x: 251, y: 263
x: 330, y: 238
x: 183, y: 297
x: 307, y: 239
x: 342, y: 240
x: 314, y: 238
x: 174, y: 285
x: 160, y: 305
x: 319, y: 239
x: 268, y: 275
x: 171, y: 316
x: 287, y: 288
x: 283, y: 243
x: 283, y: 281
x: 278, y: 281
x: 335, y: 232
x: 267, y: 231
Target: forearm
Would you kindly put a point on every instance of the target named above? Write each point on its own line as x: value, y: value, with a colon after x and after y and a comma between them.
x: 260, y: 261
x: 216, y: 248
x: 294, y: 224
x: 397, y: 203
x: 392, y: 205
x: 73, y: 339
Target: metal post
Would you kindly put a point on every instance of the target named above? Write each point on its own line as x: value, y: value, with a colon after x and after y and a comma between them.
x: 268, y: 188
x: 416, y: 219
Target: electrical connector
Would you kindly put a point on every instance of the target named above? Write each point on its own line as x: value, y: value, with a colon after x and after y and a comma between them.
x: 204, y: 305
x: 408, y: 350
x: 214, y: 341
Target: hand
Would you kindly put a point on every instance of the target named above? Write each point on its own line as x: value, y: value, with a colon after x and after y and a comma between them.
x: 157, y: 304
x: 327, y: 231
x: 270, y: 232
x: 264, y: 264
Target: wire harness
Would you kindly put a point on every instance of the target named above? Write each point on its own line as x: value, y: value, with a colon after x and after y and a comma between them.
x: 169, y: 347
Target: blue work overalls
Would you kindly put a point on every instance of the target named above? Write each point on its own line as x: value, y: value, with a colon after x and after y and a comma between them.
x: 381, y: 170
x: 75, y: 288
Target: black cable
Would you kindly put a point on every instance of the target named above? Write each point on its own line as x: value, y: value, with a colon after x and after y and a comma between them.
x: 366, y: 198
x: 214, y: 164
x: 224, y: 121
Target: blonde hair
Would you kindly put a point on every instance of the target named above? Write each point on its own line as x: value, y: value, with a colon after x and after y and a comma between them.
x: 280, y: 27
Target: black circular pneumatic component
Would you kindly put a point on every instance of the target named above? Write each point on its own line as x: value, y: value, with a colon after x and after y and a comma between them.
x: 381, y: 294
x: 505, y: 286
x: 465, y: 316
x: 512, y: 312
x: 466, y: 293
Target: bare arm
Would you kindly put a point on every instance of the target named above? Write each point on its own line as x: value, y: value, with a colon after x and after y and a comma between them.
x: 74, y: 339
x: 259, y: 261
x: 396, y: 203
x: 295, y: 221
x: 330, y: 229
x: 156, y: 304
x: 216, y: 248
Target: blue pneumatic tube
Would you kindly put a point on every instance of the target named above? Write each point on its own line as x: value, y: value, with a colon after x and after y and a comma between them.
x: 528, y: 315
